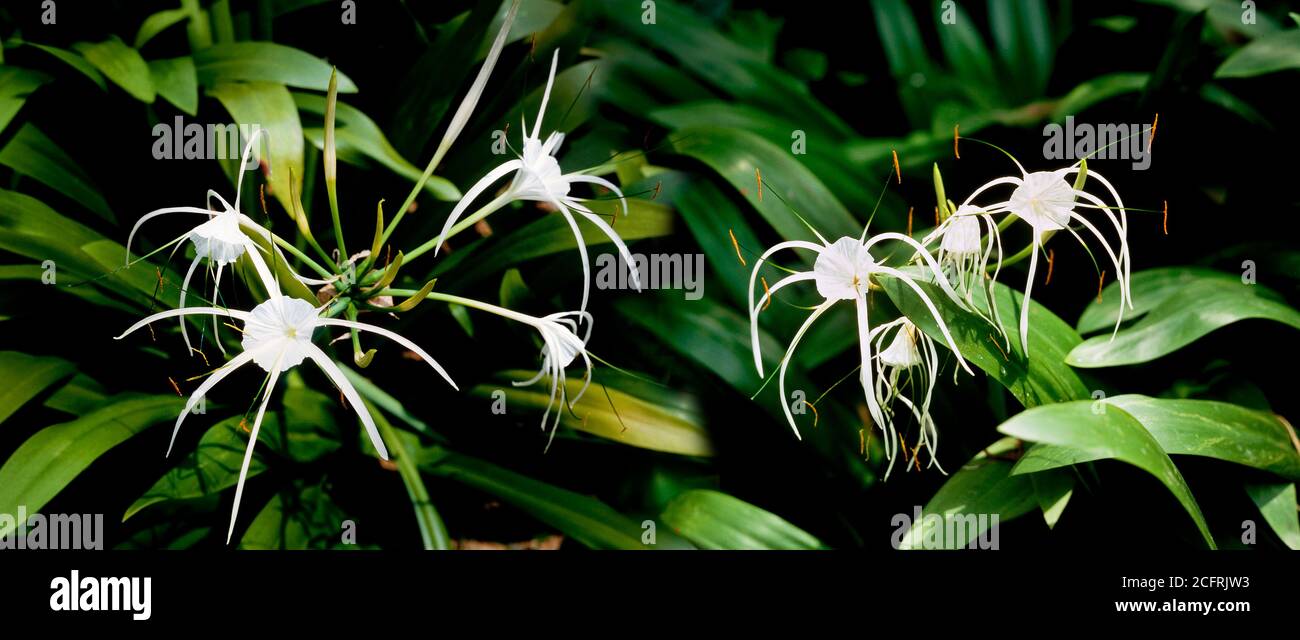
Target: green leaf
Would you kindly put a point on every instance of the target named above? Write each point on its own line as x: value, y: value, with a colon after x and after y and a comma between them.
x: 300, y: 516
x: 1107, y: 432
x: 737, y: 155
x: 123, y: 65
x: 583, y: 518
x: 1053, y: 489
x: 22, y: 377
x: 985, y: 485
x: 1023, y: 37
x: 271, y: 107
x: 1187, y: 305
x: 1098, y: 90
x: 177, y: 82
x: 15, y: 85
x: 45, y: 464
x: 265, y: 62
x: 76, y: 62
x: 31, y: 153
x: 355, y: 133
x: 1274, y: 52
x: 212, y: 467
x: 1277, y: 504
x: 714, y: 520
x: 963, y: 47
x: 671, y: 424
x: 1150, y: 288
x: 1208, y: 428
x: 1042, y: 379
x: 157, y: 23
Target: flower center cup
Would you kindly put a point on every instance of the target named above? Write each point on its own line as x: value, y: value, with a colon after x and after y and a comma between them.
x: 1044, y: 200
x: 219, y: 239
x: 279, y: 330
x: 963, y: 235
x: 843, y: 269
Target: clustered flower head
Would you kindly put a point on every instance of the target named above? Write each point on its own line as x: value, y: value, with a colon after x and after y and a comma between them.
x: 963, y: 257
x: 281, y: 331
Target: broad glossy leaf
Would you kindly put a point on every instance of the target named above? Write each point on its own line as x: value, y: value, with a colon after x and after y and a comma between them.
x: 715, y: 520
x: 1053, y: 489
x: 985, y: 485
x: 33, y: 154
x: 1277, y: 503
x: 45, y: 464
x: 1097, y: 90
x: 737, y: 155
x: 1042, y: 379
x: 15, y: 85
x: 158, y: 22
x: 1150, y: 288
x: 1095, y: 435
x: 270, y: 106
x: 1270, y: 53
x: 23, y: 376
x: 1202, y: 428
x: 121, y: 64
x: 606, y: 411
x: 1022, y: 34
x: 177, y: 82
x: 76, y: 62
x: 266, y: 62
x: 1190, y: 311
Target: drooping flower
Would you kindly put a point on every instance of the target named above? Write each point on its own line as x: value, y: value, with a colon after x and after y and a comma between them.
x: 912, y: 353
x: 844, y: 271
x: 220, y: 240
x: 277, y: 337
x: 561, y: 346
x: 1047, y: 202
x: 538, y: 177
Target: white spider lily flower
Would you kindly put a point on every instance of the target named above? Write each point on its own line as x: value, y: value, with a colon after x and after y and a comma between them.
x: 561, y: 346
x: 843, y: 271
x: 277, y: 337
x: 1046, y: 200
x: 538, y: 177
x: 913, y: 353
x: 219, y: 240
x: 964, y: 257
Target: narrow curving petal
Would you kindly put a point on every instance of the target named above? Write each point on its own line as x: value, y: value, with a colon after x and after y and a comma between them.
x: 248, y: 453
x: 929, y: 305
x: 785, y: 362
x: 474, y: 192
x: 338, y: 322
x: 753, y: 278
x: 154, y: 214
x: 207, y: 385
x: 172, y: 313
x: 349, y: 392
x: 180, y: 303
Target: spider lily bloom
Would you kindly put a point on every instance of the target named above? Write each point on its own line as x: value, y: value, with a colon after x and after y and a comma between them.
x: 911, y: 352
x: 538, y: 177
x: 220, y: 240
x: 843, y: 271
x: 561, y: 345
x: 1047, y: 201
x: 277, y: 337
x: 964, y: 257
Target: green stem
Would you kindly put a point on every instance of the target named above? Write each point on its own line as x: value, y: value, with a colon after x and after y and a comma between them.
x: 334, y: 217
x: 469, y: 221
x: 432, y: 530
x: 295, y: 252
